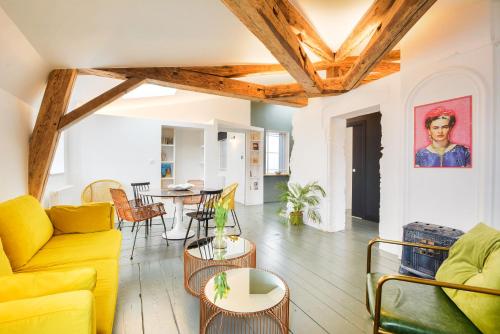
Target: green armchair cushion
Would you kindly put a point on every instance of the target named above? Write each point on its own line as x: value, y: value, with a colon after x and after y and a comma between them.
x: 410, y: 308
x: 475, y: 260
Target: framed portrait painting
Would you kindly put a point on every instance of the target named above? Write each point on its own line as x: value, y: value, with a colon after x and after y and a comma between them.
x: 443, y: 134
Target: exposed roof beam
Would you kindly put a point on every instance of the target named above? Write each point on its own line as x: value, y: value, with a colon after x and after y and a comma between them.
x: 43, y: 141
x: 305, y: 31
x: 197, y: 82
x: 100, y: 101
x: 364, y: 29
x: 399, y: 18
x: 265, y: 19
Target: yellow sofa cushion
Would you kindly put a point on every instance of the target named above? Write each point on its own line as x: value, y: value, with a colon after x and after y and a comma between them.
x: 24, y: 229
x: 42, y: 283
x: 5, y: 268
x: 105, y: 292
x: 74, y: 248
x: 92, y: 217
x: 69, y: 312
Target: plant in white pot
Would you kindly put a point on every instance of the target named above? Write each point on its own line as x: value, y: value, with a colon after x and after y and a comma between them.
x: 300, y: 199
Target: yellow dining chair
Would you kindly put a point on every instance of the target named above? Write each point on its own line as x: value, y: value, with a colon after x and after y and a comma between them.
x: 229, y: 193
x: 98, y: 191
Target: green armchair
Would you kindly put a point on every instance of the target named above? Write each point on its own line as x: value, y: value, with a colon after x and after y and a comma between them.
x: 411, y: 305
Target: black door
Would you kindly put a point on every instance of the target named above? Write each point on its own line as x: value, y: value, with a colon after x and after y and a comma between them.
x: 367, y: 150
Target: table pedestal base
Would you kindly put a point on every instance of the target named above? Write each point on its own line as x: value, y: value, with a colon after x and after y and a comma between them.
x: 177, y: 235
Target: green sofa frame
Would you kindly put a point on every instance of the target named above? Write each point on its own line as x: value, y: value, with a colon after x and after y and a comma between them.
x: 385, y: 278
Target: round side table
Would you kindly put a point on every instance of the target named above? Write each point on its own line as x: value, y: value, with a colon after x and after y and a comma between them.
x: 257, y: 302
x: 202, y: 260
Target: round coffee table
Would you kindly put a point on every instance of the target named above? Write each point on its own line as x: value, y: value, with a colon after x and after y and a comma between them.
x: 257, y: 302
x: 202, y: 260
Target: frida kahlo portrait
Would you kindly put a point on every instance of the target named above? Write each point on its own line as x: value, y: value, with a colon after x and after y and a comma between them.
x: 443, y: 134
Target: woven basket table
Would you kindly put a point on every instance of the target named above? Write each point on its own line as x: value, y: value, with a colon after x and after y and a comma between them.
x: 202, y: 260
x: 257, y: 303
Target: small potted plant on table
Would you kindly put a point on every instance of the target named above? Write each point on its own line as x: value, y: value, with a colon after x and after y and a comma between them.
x: 300, y: 198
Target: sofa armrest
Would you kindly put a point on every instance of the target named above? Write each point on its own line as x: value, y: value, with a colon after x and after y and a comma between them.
x: 395, y: 242
x: 42, y: 283
x: 382, y: 280
x: 69, y: 312
x: 85, y: 218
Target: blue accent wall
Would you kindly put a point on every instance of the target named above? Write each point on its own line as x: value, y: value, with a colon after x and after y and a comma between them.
x: 272, y: 117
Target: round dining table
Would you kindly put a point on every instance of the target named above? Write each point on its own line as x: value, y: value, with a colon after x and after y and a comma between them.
x: 178, y: 232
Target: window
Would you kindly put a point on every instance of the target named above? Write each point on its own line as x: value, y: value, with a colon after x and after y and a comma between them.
x: 277, y: 152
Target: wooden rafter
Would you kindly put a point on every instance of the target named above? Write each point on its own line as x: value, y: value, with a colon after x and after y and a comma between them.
x: 265, y: 19
x: 45, y: 136
x: 364, y: 29
x: 100, y: 101
x: 237, y: 71
x: 305, y: 31
x: 197, y: 82
x: 394, y: 24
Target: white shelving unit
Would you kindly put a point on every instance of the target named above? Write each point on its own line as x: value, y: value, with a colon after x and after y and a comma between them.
x: 167, y: 158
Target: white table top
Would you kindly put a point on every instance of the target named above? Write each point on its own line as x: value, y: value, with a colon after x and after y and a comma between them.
x: 251, y: 290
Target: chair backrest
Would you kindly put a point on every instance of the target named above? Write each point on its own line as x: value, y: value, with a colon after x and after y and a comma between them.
x: 197, y: 183
x: 122, y: 205
x: 98, y: 191
x: 206, y: 207
x: 137, y: 188
x: 229, y: 193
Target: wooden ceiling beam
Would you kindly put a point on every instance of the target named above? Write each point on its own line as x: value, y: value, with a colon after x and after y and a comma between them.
x: 305, y: 30
x: 364, y: 29
x: 197, y: 82
x: 43, y: 141
x: 265, y: 19
x: 397, y: 20
x: 100, y: 101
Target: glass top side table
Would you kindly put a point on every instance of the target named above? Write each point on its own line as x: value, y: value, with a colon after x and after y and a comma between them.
x: 202, y: 260
x: 257, y: 302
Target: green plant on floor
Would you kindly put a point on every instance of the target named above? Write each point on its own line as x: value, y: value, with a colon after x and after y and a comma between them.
x: 300, y: 198
x: 220, y: 286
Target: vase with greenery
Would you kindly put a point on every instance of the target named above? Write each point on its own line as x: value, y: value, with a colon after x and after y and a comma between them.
x: 220, y: 286
x: 221, y: 210
x: 300, y: 199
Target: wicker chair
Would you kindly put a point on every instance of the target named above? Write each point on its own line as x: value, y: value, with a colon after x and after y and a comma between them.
x: 229, y: 193
x: 128, y: 211
x: 98, y: 191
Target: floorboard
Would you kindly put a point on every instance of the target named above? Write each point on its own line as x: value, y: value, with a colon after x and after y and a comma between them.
x: 325, y: 273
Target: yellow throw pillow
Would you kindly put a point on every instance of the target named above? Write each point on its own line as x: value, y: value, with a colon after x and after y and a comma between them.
x: 43, y: 283
x: 5, y: 268
x: 86, y: 218
x: 24, y: 229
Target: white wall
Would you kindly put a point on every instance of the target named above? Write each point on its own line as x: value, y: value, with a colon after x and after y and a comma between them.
x: 22, y: 77
x: 189, y: 158
x: 15, y: 130
x: 439, y: 61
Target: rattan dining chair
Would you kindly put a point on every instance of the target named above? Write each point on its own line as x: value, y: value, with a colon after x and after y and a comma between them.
x: 230, y: 193
x: 205, y: 211
x: 128, y: 211
x: 192, y: 201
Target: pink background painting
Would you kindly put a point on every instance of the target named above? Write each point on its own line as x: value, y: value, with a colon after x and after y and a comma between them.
x: 461, y: 132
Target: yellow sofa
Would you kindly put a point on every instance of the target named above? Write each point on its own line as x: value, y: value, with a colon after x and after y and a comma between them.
x: 58, y: 268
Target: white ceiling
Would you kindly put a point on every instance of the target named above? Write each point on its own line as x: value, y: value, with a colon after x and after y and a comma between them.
x: 94, y: 33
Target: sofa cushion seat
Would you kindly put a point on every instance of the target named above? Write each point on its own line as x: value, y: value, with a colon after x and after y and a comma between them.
x: 411, y: 308
x: 74, y: 248
x: 105, y: 292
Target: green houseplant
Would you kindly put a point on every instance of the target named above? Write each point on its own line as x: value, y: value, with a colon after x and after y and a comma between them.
x: 221, y: 210
x: 300, y: 198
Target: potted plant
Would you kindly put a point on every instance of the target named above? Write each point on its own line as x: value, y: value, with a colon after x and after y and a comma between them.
x: 300, y: 199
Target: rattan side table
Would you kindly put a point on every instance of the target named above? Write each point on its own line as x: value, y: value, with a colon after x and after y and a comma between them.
x: 202, y: 261
x: 257, y: 302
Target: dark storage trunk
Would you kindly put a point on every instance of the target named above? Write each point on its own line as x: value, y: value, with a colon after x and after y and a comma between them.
x: 425, y: 262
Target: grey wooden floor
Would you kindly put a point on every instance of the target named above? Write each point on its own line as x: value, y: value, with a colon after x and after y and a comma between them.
x: 324, y: 271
